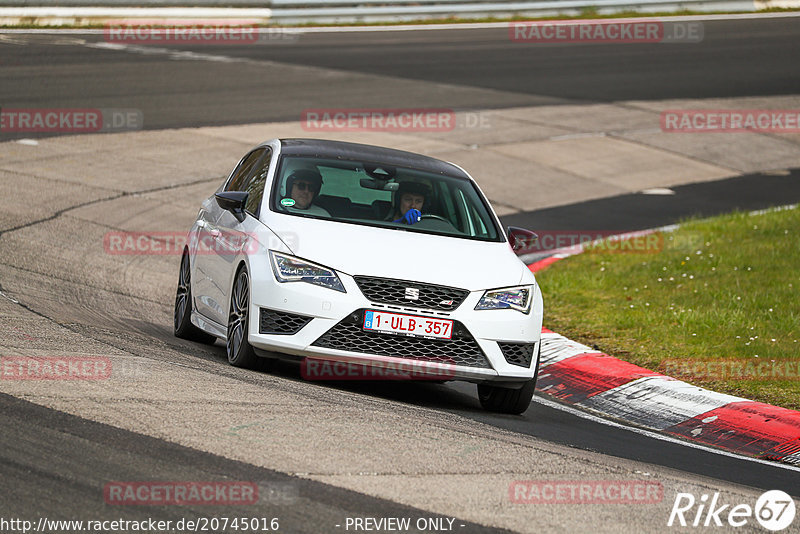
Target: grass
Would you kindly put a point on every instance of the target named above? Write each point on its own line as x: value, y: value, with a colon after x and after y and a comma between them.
x: 722, y: 289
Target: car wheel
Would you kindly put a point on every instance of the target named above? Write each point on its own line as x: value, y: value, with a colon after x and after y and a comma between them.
x: 508, y: 400
x: 240, y: 352
x: 182, y: 322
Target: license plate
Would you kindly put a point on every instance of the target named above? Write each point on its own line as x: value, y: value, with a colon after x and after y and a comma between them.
x: 412, y: 325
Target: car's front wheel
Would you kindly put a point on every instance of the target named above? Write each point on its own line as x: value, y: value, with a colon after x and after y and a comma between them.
x: 240, y: 352
x: 508, y: 400
x: 182, y: 322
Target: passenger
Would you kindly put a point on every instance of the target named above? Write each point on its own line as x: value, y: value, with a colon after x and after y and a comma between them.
x: 409, y: 199
x: 303, y: 187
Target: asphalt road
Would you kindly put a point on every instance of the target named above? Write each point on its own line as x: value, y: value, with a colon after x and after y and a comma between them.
x: 557, y: 426
x: 456, y: 69
x: 56, y: 466
x: 626, y: 213
x: 463, y: 69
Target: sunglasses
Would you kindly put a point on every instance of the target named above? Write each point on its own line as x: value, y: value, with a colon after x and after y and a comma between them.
x: 304, y: 186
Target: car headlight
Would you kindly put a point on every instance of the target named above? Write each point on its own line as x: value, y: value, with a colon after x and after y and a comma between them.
x: 290, y: 269
x: 513, y: 298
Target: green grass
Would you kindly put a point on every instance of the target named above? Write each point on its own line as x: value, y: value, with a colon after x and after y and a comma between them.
x: 723, y: 289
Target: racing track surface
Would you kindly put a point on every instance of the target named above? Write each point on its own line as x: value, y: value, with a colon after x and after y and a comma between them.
x: 179, y: 412
x: 43, y: 472
x: 461, y: 69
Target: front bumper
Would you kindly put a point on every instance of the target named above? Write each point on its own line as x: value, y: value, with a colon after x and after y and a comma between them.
x: 312, y: 321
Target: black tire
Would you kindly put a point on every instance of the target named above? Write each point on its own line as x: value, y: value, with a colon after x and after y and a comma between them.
x: 507, y: 400
x: 182, y: 322
x: 240, y: 352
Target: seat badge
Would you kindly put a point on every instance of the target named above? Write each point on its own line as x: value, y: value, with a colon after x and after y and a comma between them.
x: 412, y: 293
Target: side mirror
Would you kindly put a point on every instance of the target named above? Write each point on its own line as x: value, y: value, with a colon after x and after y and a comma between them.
x: 233, y: 201
x: 521, y: 239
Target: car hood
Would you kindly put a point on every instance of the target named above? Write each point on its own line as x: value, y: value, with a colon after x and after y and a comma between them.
x: 364, y: 250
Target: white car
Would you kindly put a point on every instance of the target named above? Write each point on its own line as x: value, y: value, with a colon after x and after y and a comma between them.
x: 358, y: 260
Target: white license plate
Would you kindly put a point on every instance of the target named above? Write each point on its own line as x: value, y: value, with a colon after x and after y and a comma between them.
x: 413, y: 325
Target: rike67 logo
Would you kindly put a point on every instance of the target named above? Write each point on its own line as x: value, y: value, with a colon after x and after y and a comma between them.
x: 774, y: 510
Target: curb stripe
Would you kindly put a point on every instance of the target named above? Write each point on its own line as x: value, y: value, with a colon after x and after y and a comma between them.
x: 657, y: 402
x: 577, y: 378
x: 541, y: 264
x: 788, y: 453
x: 558, y: 348
x: 746, y: 427
x: 577, y: 375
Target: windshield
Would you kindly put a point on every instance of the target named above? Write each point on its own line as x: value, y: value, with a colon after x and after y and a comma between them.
x: 385, y: 196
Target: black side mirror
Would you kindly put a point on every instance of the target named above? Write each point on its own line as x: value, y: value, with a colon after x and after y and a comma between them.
x: 233, y: 201
x: 521, y: 239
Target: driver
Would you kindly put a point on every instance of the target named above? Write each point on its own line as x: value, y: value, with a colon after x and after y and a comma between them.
x: 408, y: 202
x: 303, y: 186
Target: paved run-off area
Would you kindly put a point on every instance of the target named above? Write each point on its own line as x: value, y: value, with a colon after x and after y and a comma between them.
x: 64, y: 295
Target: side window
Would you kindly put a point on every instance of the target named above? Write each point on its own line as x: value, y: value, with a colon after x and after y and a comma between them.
x: 255, y: 187
x: 238, y: 180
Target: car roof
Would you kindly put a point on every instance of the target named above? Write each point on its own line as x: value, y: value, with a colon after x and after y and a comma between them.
x: 354, y: 151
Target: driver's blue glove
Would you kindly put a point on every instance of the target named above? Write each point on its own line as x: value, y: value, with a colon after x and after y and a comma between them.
x: 412, y: 216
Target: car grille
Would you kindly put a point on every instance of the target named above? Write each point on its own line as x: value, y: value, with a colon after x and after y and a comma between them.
x: 518, y: 353
x: 277, y: 322
x: 433, y: 297
x: 349, y: 335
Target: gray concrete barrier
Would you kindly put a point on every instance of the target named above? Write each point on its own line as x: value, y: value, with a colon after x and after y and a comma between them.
x: 345, y: 11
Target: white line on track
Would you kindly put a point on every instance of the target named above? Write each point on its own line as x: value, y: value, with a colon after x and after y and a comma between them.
x: 655, y: 435
x: 15, y: 301
x: 171, y: 52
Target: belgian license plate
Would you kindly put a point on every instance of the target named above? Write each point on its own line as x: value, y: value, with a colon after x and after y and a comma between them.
x: 413, y: 325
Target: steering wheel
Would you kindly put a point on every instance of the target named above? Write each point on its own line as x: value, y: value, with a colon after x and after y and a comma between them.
x: 429, y: 216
